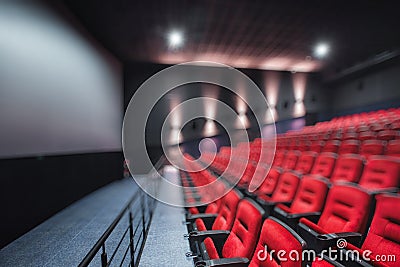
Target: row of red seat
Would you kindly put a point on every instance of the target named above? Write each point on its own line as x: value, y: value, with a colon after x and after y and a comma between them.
x: 305, y: 200
x: 380, y: 147
x: 239, y: 230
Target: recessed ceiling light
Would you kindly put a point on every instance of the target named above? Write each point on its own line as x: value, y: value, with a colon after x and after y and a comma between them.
x: 321, y: 50
x: 175, y: 39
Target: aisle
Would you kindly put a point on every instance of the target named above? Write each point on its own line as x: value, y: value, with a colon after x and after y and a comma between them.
x: 165, y: 245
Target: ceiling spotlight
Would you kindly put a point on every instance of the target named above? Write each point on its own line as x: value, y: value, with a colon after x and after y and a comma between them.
x: 175, y: 39
x: 321, y: 50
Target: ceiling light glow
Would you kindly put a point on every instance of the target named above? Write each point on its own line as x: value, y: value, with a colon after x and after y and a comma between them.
x: 321, y: 50
x: 175, y: 39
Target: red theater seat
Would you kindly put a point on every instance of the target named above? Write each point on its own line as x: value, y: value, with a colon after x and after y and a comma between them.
x: 372, y: 148
x: 381, y: 172
x: 276, y: 236
x: 349, y: 147
x: 350, y: 136
x: 309, y: 201
x: 384, y: 235
x: 317, y: 146
x: 305, y: 162
x: 348, y: 168
x: 279, y: 157
x: 387, y: 135
x: 291, y: 160
x: 363, y: 136
x: 270, y: 182
x: 393, y: 148
x: 383, y: 238
x: 240, y: 241
x: 346, y: 210
x: 331, y: 146
x: 284, y: 192
x: 324, y: 164
x: 224, y: 216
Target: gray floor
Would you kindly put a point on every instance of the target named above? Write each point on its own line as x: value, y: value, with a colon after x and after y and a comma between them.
x: 165, y: 245
x: 64, y: 239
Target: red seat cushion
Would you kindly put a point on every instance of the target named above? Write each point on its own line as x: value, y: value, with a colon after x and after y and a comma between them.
x: 275, y: 237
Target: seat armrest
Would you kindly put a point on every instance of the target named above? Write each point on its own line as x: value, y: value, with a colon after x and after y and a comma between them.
x: 204, y: 216
x: 224, y: 262
x: 268, y: 206
x: 321, y: 241
x: 292, y: 219
x: 216, y: 235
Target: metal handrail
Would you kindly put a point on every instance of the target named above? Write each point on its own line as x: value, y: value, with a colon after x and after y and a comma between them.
x: 101, y: 243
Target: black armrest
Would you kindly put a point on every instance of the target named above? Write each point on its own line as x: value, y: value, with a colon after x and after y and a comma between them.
x: 208, y: 219
x: 269, y: 205
x: 232, y: 262
x: 292, y: 219
x: 216, y: 235
x: 204, y: 216
x: 319, y: 242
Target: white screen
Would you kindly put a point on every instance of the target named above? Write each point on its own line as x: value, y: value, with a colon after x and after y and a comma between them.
x: 59, y: 91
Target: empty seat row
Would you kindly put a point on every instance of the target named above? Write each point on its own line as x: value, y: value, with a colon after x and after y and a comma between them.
x: 254, y: 237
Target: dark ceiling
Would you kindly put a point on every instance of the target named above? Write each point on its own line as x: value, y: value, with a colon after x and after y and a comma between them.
x: 246, y: 34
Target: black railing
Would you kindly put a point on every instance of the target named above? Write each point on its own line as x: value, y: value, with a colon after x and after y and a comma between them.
x: 123, y: 242
x: 133, y: 223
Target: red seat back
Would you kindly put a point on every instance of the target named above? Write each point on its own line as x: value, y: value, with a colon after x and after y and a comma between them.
x: 305, y: 162
x: 371, y: 148
x: 316, y: 146
x: 291, y: 159
x: 227, y: 211
x: 387, y: 135
x: 331, y: 146
x: 346, y: 209
x: 381, y: 172
x: 243, y: 238
x: 279, y: 157
x: 310, y: 196
x: 286, y: 187
x: 324, y: 164
x: 275, y: 236
x: 349, y: 147
x: 269, y: 184
x: 393, y: 148
x: 348, y: 168
x: 384, y: 234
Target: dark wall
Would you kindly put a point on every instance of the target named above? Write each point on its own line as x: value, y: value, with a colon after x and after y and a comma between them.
x: 34, y: 189
x: 376, y: 88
